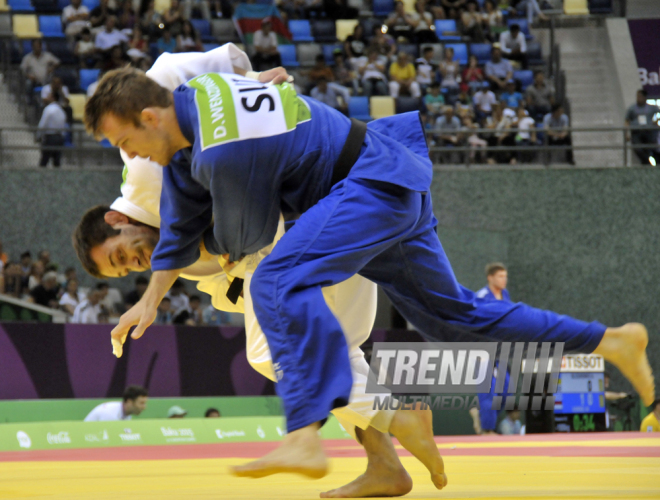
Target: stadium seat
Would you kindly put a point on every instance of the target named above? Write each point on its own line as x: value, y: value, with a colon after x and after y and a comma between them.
x: 62, y: 3
x: 600, y: 6
x: 443, y: 26
x: 307, y: 53
x: 153, y: 51
x: 25, y: 26
x: 224, y: 30
x: 26, y: 45
x: 357, y: 4
x: 45, y: 6
x: 358, y: 108
x: 203, y: 27
x: 69, y: 78
x: 91, y: 4
x: 383, y: 8
x: 20, y: 5
x: 460, y: 52
x: 525, y: 76
x: 524, y: 27
x: 410, y: 48
x: 51, y: 26
x: 210, y: 46
x: 301, y: 30
x: 161, y: 6
x: 381, y: 106
x: 328, y: 52
x: 482, y: 51
x: 438, y: 51
x: 60, y: 49
x: 77, y: 103
x: 324, y: 31
x: 575, y: 7
x: 345, y: 27
x: 289, y: 58
x: 87, y: 77
x: 369, y: 24
x: 3, y: 6
x: 5, y: 26
x: 407, y: 104
x: 534, y: 54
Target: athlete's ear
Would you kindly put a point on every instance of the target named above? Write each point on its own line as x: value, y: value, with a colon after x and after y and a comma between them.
x: 150, y: 117
x: 115, y: 219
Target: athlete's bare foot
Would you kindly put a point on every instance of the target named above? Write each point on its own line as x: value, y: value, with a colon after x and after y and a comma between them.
x: 301, y: 452
x: 625, y: 348
x: 385, y: 475
x: 414, y: 430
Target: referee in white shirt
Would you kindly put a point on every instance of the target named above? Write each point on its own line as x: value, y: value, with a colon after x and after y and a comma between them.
x: 52, y: 127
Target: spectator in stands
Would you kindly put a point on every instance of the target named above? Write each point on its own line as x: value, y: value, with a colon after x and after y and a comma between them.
x: 511, y: 97
x: 189, y: 40
x: 164, y: 314
x: 555, y: 125
x: 151, y: 20
x: 215, y: 317
x: 421, y: 20
x: 539, y: 97
x: 320, y: 70
x: 526, y: 134
x: 328, y: 95
x: 265, y: 46
x: 4, y: 258
x: 513, y: 45
x: 491, y: 19
x: 463, y: 106
x: 133, y: 297
x: 511, y: 424
x: 126, y: 18
x: 383, y: 43
x: 642, y: 115
x: 37, y: 66
x: 13, y: 279
x: 403, y: 77
x: 533, y: 10
x: 343, y: 72
x: 37, y: 273
x: 434, y: 102
x: 70, y: 274
x: 116, y: 60
x: 472, y: 78
x: 355, y: 47
x: 71, y: 297
x: 449, y: 69
x: 212, y: 413
x: 176, y: 412
x: 26, y: 269
x: 100, y: 14
x: 195, y: 318
x: 89, y: 310
x: 294, y: 9
x: 450, y: 8
x: 109, y: 38
x: 498, y: 70
x: 75, y: 17
x: 202, y: 5
x: 399, y: 23
x: 166, y: 43
x: 173, y: 18
x: 426, y: 70
x: 505, y: 136
x: 85, y: 49
x: 180, y: 302
x: 138, y: 46
x: 374, y: 81
x: 471, y: 22
x: 497, y: 277
x: 55, y: 87
x: 448, y: 128
x: 476, y: 143
x: 51, y: 129
x: 44, y: 258
x: 134, y: 402
x: 46, y: 294
x: 314, y: 9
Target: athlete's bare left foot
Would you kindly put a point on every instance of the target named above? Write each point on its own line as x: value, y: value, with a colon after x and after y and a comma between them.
x: 625, y: 348
x: 301, y: 452
x: 414, y: 430
x: 385, y: 475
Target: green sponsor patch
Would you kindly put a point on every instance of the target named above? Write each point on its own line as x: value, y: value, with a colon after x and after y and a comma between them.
x: 215, y: 104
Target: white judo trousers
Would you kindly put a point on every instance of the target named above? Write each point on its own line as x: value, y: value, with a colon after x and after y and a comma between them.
x: 353, y: 302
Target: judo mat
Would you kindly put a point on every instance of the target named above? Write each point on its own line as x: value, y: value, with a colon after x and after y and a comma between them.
x: 558, y: 466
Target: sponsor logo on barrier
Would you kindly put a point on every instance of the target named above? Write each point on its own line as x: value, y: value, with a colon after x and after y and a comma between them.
x: 260, y: 432
x: 24, y: 440
x: 177, y: 435
x: 59, y: 438
x: 97, y: 438
x: 279, y: 430
x: 129, y: 436
x: 228, y: 434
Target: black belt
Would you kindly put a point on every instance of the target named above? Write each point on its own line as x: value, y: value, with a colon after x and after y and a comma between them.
x: 347, y: 158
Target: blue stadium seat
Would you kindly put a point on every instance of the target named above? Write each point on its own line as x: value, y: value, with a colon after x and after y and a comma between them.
x: 60, y: 48
x: 45, y: 6
x: 358, y: 108
x: 525, y: 76
x: 369, y: 24
x: 26, y: 45
x: 460, y: 52
x: 153, y: 51
x: 443, y: 26
x: 328, y: 52
x: 524, y: 27
x: 324, y: 31
x: 62, y: 3
x: 534, y: 54
x: 289, y: 57
x: 407, y: 104
x: 210, y: 46
x: 20, y: 6
x: 87, y: 77
x: 51, y: 26
x: 482, y: 51
x: 203, y: 27
x: 301, y: 30
x: 411, y: 49
x: 383, y: 8
x: 91, y: 4
x: 600, y: 6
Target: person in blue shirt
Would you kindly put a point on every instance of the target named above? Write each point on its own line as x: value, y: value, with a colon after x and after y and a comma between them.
x: 497, y: 277
x: 511, y: 97
x: 237, y: 154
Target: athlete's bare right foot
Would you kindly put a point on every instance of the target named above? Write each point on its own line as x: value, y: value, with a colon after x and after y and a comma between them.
x: 625, y: 348
x: 414, y: 430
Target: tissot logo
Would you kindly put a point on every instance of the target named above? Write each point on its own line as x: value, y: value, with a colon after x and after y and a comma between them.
x: 129, y: 436
x: 59, y: 438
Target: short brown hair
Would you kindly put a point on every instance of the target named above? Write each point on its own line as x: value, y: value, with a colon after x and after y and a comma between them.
x: 125, y: 93
x: 92, y: 230
x: 494, y: 267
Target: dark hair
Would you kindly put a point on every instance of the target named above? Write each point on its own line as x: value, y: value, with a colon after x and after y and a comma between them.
x: 211, y: 410
x: 538, y: 72
x: 435, y: 85
x: 70, y: 270
x: 195, y: 297
x: 141, y: 280
x: 166, y: 299
x: 555, y: 107
x: 178, y: 284
x: 655, y: 403
x: 643, y: 92
x: 133, y: 392
x: 26, y: 254
x: 85, y: 31
x: 514, y: 27
x: 91, y: 231
x: 320, y: 58
x: 494, y: 267
x: 427, y: 49
x: 102, y: 285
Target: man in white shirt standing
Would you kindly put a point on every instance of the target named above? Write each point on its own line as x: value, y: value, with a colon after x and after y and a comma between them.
x: 134, y: 402
x: 110, y: 37
x: 89, y: 309
x: 75, y: 17
x: 265, y: 46
x: 52, y: 126
x: 513, y: 45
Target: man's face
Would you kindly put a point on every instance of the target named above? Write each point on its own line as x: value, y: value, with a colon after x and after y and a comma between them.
x: 558, y: 112
x: 128, y: 251
x: 110, y: 23
x: 49, y: 284
x: 514, y: 32
x: 26, y: 261
x: 95, y: 297
x: 146, y: 141
x: 641, y: 99
x: 539, y: 79
x: 75, y: 3
x: 137, y: 405
x: 498, y: 280
x: 402, y: 59
x: 496, y: 55
x: 36, y: 47
x: 194, y: 305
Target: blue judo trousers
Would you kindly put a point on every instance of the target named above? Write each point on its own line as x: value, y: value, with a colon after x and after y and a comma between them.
x: 377, y: 222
